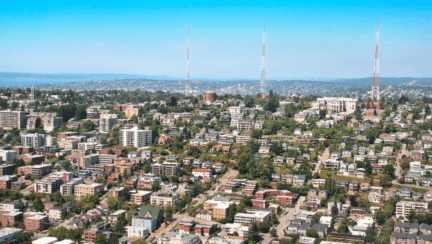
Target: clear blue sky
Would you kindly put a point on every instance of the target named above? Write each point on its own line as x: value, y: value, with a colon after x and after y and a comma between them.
x: 305, y: 39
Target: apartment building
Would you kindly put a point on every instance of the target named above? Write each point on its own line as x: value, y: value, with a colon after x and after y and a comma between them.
x: 167, y: 168
x: 12, y: 119
x: 84, y: 161
x: 46, y: 186
x: 33, y: 140
x: 7, y: 180
x: 403, y: 208
x: 164, y: 198
x: 67, y: 189
x: 140, y: 197
x: 135, y: 137
x: 9, y: 216
x: 6, y: 169
x: 245, y: 124
x: 8, y: 155
x: 146, y: 181
x: 56, y: 213
x: 258, y: 216
x: 69, y: 144
x: 38, y: 170
x: 51, y: 122
x: 220, y: 211
x: 88, y: 189
x: 86, y: 146
x: 176, y: 238
x: 107, y: 122
x: 36, y: 222
x: 336, y: 104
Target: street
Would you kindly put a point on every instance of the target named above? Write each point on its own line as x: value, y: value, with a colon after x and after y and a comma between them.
x: 200, y: 199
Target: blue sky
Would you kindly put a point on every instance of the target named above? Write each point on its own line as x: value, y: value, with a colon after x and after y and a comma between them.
x: 305, y: 39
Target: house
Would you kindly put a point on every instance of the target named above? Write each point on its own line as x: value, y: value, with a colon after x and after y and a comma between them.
x: 299, y: 180
x: 264, y: 150
x: 374, y: 197
x: 404, y: 192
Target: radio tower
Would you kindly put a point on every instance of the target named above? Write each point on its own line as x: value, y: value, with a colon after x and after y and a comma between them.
x: 263, y: 69
x: 187, y: 88
x: 375, y: 97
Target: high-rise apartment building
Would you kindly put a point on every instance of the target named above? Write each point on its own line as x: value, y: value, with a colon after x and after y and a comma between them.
x: 33, y: 140
x: 12, y: 119
x: 107, y: 122
x: 135, y: 137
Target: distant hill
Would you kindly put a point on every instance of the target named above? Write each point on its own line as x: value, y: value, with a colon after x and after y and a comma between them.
x: 360, y: 87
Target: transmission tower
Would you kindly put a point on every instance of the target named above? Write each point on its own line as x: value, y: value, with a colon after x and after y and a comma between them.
x: 375, y: 96
x: 187, y: 87
x: 263, y: 69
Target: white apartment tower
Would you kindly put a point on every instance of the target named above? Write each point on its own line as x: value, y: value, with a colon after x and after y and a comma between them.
x: 107, y: 122
x: 32, y: 94
x: 135, y: 137
x: 33, y: 140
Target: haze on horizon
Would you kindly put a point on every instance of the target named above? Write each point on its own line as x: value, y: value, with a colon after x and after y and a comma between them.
x: 313, y: 39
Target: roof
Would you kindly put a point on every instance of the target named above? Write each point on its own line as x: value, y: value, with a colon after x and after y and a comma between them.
x: 154, y: 211
x: 202, y: 170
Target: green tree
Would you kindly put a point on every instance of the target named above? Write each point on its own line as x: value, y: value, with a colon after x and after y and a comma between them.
x: 273, y: 232
x: 100, y: 239
x: 380, y: 217
x: 120, y: 224
x: 37, y: 205
x: 312, y: 233
x: 370, y: 234
x: 242, y: 164
x: 343, y: 228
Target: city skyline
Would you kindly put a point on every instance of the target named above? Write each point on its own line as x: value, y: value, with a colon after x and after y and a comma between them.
x: 304, y: 40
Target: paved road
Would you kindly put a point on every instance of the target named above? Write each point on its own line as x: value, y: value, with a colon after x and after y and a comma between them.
x: 321, y: 160
x: 283, y: 220
x: 200, y: 199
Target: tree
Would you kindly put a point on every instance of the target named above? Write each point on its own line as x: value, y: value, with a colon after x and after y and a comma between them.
x: 112, y: 203
x: 411, y: 215
x: 273, y: 104
x: 263, y: 227
x: 113, y: 240
x: 134, y: 118
x: 385, y: 180
x: 334, y: 211
x: 172, y: 101
x: 37, y: 205
x: 120, y: 224
x: 242, y: 164
x: 274, y: 219
x: 155, y: 186
x: 100, y: 239
x: 380, y: 217
x: 81, y: 112
x: 370, y: 234
x: 353, y: 200
x: 312, y: 233
x: 343, y: 228
x: 273, y: 232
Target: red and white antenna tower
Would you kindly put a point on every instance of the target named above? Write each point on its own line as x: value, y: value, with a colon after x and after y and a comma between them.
x: 187, y: 88
x: 263, y: 68
x: 375, y: 96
